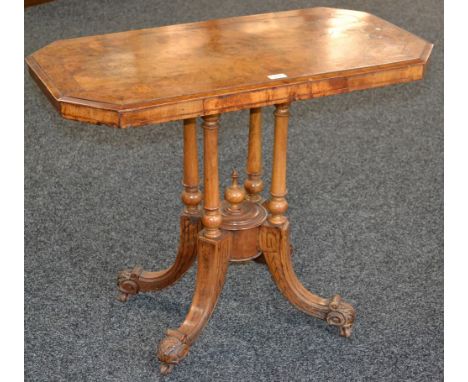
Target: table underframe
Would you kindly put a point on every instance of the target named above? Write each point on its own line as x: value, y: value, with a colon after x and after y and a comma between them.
x: 249, y: 237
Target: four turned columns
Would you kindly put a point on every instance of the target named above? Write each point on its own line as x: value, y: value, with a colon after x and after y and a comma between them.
x: 277, y: 205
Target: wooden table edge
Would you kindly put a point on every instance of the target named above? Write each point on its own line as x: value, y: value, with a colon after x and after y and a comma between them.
x: 229, y: 99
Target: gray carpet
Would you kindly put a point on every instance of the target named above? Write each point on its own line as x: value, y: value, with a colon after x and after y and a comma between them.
x: 366, y: 204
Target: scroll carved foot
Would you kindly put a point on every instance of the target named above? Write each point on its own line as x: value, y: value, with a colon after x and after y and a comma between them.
x: 131, y: 282
x: 342, y: 315
x: 172, y: 349
x: 274, y: 242
x: 127, y: 282
x: 213, y: 257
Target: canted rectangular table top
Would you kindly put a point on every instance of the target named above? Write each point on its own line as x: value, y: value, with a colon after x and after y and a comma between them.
x: 182, y: 71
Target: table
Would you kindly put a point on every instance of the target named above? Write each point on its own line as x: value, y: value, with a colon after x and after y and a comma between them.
x: 204, y: 69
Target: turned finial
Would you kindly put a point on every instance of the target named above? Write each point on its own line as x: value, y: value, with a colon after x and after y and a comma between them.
x: 234, y: 194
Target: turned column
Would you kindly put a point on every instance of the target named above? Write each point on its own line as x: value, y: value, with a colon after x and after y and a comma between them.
x: 254, y: 184
x: 211, y: 218
x: 278, y: 205
x: 191, y: 196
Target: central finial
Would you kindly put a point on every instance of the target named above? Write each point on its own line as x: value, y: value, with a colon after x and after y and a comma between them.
x: 234, y: 194
x: 234, y: 176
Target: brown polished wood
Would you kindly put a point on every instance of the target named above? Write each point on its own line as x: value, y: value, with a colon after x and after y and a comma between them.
x: 191, y: 196
x: 184, y: 71
x: 29, y: 3
x: 213, y: 257
x: 243, y: 219
x: 254, y: 183
x: 204, y: 69
x: 274, y: 243
x: 277, y: 205
x: 133, y: 281
x: 212, y: 215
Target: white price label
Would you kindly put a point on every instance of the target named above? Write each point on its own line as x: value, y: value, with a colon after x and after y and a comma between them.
x: 277, y: 76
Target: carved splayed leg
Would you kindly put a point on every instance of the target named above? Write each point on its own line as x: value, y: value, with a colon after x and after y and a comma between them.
x: 261, y: 259
x: 213, y: 257
x: 213, y: 249
x: 274, y: 242
x: 131, y: 282
x: 136, y: 280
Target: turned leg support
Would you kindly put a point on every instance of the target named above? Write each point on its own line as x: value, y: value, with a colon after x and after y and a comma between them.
x: 191, y: 196
x: 278, y: 205
x: 274, y: 243
x: 211, y: 218
x: 254, y: 184
x: 131, y: 282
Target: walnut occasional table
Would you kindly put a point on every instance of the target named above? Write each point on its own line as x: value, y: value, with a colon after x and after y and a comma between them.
x: 203, y: 69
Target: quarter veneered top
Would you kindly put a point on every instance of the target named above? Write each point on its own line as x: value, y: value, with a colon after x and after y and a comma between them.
x: 159, y: 74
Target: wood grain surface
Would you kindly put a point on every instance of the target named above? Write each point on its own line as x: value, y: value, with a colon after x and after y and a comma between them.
x: 184, y: 71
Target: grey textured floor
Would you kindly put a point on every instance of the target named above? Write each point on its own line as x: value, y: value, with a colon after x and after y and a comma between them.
x: 365, y: 195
